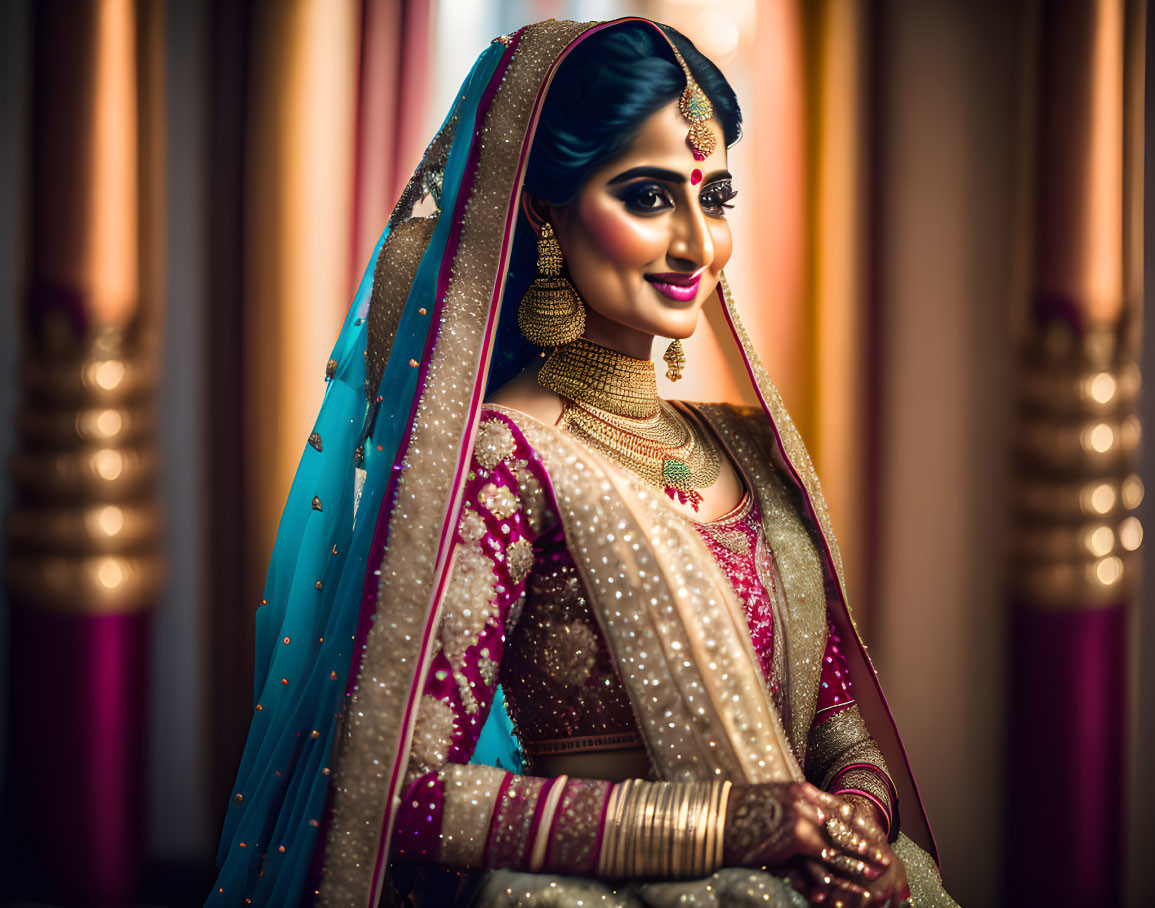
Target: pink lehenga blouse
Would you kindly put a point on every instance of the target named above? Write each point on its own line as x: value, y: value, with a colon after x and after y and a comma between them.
x: 523, y: 619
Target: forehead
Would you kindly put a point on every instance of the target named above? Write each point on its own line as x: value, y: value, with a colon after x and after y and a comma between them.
x: 661, y: 142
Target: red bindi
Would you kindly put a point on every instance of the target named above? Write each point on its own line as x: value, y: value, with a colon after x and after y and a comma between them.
x: 695, y: 177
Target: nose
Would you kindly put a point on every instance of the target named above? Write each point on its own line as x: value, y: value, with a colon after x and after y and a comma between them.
x: 691, y: 244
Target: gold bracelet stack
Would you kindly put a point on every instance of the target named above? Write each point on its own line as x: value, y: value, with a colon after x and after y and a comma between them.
x: 664, y: 830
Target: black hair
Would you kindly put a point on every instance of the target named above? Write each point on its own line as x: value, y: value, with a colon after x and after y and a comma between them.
x: 599, y: 98
x: 602, y: 93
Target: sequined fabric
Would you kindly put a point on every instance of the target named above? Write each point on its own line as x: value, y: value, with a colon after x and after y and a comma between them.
x: 728, y: 888
x: 735, y: 541
x: 534, y: 629
x: 842, y: 756
x: 467, y: 815
x: 561, y: 688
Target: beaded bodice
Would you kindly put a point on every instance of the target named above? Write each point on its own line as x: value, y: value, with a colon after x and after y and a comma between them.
x: 562, y: 690
x: 561, y: 687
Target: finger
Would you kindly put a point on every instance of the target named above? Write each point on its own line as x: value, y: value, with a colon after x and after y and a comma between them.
x: 856, y: 845
x: 812, y: 812
x: 826, y: 799
x: 832, y: 883
x: 884, y: 889
x: 853, y: 868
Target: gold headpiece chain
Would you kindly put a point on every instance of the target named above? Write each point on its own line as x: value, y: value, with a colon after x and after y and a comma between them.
x: 696, y: 108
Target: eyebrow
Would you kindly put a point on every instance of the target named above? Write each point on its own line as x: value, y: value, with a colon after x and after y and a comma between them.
x: 665, y: 176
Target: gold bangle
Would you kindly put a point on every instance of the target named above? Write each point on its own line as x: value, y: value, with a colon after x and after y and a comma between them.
x: 692, y: 829
x: 704, y: 844
x: 610, y: 832
x: 666, y: 832
x: 720, y: 825
x: 642, y: 856
x: 545, y: 823
x: 683, y: 860
x: 661, y: 830
x: 650, y: 842
x: 704, y: 831
x: 630, y: 830
x: 636, y: 860
x: 626, y: 827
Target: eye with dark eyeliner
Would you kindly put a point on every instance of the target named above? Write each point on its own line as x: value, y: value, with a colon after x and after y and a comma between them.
x: 646, y: 197
x: 716, y: 197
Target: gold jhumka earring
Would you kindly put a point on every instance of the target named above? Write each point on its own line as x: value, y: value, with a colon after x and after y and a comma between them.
x: 551, y: 313
x: 675, y: 358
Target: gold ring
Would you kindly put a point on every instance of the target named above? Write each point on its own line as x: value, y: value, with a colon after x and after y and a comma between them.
x: 840, y: 834
x: 848, y: 865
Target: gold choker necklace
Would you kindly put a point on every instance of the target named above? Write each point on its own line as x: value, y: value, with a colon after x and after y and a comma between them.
x: 612, y: 404
x: 588, y: 373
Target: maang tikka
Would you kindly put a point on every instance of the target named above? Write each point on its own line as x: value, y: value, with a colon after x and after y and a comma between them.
x: 551, y: 313
x: 696, y: 108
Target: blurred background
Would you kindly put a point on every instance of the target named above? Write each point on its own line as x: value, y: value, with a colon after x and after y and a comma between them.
x: 940, y: 255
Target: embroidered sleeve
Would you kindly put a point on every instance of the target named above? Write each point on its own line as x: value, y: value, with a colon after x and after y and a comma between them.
x: 453, y: 812
x: 841, y: 755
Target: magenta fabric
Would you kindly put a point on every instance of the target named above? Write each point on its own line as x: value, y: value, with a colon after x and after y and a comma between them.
x: 836, y: 690
x: 78, y: 781
x: 418, y: 826
x: 1066, y: 801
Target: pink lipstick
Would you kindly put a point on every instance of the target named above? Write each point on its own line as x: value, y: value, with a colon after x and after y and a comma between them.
x: 676, y: 285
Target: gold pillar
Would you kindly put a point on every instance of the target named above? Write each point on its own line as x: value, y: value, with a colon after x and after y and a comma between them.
x: 1075, y: 568
x: 82, y: 562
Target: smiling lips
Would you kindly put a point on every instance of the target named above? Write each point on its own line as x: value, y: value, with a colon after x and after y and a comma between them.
x: 677, y: 286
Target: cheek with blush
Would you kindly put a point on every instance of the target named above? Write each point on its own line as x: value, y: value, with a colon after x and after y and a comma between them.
x: 619, y: 238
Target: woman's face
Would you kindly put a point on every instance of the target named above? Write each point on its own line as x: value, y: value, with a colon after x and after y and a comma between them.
x: 646, y: 238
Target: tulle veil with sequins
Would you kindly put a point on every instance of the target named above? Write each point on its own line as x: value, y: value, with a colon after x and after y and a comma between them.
x: 357, y: 578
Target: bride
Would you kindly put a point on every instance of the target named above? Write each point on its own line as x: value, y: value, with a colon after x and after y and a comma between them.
x: 531, y: 633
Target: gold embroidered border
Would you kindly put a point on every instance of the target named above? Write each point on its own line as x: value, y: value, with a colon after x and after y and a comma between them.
x: 925, y: 882
x: 389, y: 669
x: 794, y: 449
x: 839, y: 741
x: 676, y: 630
x: 393, y: 276
x: 863, y: 779
x: 799, y: 567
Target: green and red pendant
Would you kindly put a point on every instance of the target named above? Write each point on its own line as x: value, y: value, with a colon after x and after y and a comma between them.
x: 676, y: 475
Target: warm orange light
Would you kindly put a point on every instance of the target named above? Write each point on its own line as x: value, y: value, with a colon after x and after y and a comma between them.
x: 114, y: 254
x: 111, y: 520
x: 302, y: 187
x: 1102, y: 238
x: 837, y: 249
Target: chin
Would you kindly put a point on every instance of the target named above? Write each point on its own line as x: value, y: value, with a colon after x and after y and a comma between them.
x: 674, y: 328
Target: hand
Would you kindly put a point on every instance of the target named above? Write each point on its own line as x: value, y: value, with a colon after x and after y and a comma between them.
x: 858, y: 816
x: 786, y: 822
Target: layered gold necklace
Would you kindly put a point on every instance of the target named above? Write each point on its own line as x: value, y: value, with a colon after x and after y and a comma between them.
x: 612, y: 404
